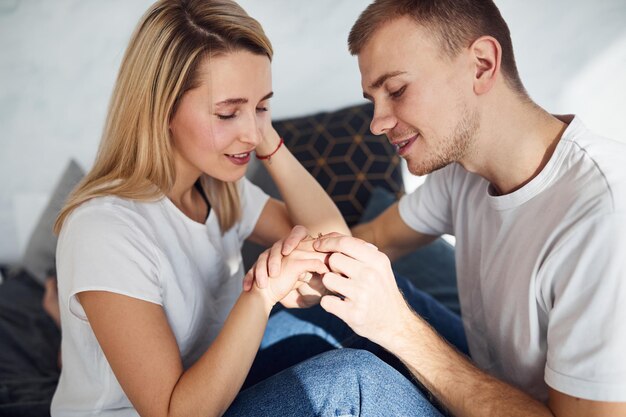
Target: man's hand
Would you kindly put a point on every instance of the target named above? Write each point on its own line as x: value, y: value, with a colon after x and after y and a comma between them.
x: 368, y: 299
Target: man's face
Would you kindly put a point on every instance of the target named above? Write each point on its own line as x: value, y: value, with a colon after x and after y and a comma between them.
x: 423, y: 99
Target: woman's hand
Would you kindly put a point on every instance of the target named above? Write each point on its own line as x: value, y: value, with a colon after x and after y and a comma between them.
x: 269, y: 262
x: 299, y: 277
x: 301, y: 269
x: 270, y: 141
x: 307, y: 293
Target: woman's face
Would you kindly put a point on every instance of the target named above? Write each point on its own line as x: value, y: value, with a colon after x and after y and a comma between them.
x: 219, y: 123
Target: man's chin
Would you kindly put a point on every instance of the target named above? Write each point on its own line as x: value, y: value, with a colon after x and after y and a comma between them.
x: 425, y: 167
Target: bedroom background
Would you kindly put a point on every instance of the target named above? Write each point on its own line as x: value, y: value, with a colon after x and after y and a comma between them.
x: 59, y: 61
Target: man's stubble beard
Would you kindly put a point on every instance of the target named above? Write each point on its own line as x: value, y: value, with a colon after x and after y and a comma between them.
x: 453, y: 148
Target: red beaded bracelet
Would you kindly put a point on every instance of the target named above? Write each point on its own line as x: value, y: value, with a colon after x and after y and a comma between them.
x: 268, y: 157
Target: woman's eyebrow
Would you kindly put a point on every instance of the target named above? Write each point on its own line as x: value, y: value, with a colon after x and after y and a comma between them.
x: 242, y: 100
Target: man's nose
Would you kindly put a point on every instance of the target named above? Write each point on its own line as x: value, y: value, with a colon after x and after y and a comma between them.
x: 382, y: 121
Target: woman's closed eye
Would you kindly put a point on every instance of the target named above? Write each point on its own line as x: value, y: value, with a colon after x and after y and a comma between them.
x: 233, y: 115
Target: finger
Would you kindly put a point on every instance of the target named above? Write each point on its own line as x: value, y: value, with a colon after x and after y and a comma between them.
x: 354, y: 247
x: 336, y: 306
x: 260, y: 270
x: 317, y: 285
x: 275, y: 259
x: 295, y: 299
x: 291, y: 300
x: 339, y: 285
x: 297, y: 235
x: 309, y: 265
x: 305, y: 277
x: 342, y: 264
x: 309, y: 290
x: 307, y: 254
x: 331, y: 234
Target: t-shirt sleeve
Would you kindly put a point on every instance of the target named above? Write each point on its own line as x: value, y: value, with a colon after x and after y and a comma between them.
x: 587, y: 306
x: 253, y: 200
x: 428, y: 209
x: 100, y: 249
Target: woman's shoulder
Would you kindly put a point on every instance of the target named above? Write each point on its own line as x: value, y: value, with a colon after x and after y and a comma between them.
x: 110, y: 212
x: 106, y: 206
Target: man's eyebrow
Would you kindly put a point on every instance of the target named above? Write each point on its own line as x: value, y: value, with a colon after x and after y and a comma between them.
x: 381, y: 80
x: 242, y: 100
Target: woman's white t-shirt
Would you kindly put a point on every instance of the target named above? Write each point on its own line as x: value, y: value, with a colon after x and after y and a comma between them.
x: 153, y: 252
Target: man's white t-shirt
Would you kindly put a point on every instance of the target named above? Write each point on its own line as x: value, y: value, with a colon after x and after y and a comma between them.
x: 153, y: 252
x: 541, y: 271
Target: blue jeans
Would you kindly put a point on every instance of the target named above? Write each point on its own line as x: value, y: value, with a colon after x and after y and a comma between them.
x: 341, y: 382
x: 330, y: 379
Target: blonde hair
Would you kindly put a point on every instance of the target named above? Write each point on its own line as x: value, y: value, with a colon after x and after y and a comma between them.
x: 135, y: 160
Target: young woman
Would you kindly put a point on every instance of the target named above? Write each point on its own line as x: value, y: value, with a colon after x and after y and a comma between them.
x: 153, y: 315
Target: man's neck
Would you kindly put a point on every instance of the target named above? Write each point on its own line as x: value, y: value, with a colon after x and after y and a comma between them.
x: 515, y: 142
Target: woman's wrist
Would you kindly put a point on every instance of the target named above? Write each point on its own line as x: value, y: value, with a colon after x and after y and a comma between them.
x: 268, y: 157
x: 264, y: 295
x: 270, y: 143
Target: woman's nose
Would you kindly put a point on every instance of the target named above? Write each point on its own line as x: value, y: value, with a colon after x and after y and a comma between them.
x: 251, y: 133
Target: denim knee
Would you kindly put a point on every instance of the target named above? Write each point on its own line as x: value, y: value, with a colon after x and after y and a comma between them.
x: 342, y: 382
x: 365, y: 385
x: 354, y: 361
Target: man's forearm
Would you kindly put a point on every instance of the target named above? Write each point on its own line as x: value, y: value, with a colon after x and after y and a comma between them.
x: 459, y: 386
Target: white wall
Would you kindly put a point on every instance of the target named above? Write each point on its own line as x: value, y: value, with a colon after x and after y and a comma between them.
x: 58, y: 61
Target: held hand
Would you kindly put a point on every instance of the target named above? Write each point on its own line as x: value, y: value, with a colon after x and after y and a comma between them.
x: 299, y: 270
x: 269, y: 262
x: 370, y: 301
x: 307, y: 293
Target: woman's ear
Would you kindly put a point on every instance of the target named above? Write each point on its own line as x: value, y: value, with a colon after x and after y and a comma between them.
x: 487, y: 57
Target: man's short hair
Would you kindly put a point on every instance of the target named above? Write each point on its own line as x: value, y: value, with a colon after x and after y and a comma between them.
x: 455, y: 23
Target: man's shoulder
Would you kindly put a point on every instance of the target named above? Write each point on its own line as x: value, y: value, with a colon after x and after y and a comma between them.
x: 597, y: 163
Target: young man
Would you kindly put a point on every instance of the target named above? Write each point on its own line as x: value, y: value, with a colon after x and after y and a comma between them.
x: 537, y: 204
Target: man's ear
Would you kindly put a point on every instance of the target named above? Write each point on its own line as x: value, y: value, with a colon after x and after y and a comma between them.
x: 487, y: 56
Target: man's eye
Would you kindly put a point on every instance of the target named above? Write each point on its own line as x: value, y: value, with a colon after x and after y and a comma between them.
x: 261, y: 109
x: 398, y: 93
x: 225, y: 116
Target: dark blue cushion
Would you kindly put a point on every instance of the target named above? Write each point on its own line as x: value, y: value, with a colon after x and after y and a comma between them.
x: 341, y: 153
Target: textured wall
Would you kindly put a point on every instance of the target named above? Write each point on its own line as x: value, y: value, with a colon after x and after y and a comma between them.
x: 59, y: 59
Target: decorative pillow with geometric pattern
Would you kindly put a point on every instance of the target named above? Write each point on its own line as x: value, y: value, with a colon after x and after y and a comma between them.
x: 341, y: 153
x: 339, y: 150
